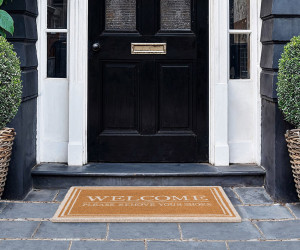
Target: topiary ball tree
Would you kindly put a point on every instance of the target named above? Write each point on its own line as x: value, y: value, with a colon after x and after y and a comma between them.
x: 10, y: 83
x: 288, y: 86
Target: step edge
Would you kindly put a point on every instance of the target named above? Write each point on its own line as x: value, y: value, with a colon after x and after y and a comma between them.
x: 216, y: 171
x: 49, y: 173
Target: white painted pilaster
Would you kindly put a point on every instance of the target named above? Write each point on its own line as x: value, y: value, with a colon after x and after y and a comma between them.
x: 219, y: 49
x: 77, y: 147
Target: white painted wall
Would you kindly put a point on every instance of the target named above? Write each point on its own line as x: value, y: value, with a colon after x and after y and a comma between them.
x: 234, y: 105
x: 242, y: 122
x: 54, y: 119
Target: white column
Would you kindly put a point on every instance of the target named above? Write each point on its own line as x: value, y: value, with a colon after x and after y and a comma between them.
x: 78, y: 56
x: 219, y: 60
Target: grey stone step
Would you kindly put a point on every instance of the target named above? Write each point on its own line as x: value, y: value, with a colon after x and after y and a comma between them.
x: 146, y: 174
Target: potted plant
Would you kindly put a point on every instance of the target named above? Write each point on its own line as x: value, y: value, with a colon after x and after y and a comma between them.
x: 288, y: 89
x: 10, y: 93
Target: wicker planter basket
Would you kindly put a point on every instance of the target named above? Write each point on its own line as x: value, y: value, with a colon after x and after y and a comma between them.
x: 293, y: 142
x: 7, y: 136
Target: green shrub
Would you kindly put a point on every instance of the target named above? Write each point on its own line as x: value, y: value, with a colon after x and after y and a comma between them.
x: 10, y: 82
x: 288, y: 86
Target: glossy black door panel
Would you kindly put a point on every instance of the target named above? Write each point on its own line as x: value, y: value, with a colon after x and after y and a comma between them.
x: 148, y: 107
x: 120, y: 96
x: 175, y: 97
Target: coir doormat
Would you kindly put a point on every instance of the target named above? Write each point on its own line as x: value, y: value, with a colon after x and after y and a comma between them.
x: 146, y: 204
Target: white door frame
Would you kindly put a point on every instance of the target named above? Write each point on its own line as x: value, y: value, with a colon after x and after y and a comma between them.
x: 218, y: 94
x: 76, y: 151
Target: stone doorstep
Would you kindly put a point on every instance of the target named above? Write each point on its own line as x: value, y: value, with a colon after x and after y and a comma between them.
x: 60, y: 176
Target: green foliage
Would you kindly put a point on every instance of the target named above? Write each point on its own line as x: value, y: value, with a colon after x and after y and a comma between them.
x: 288, y: 86
x: 6, y: 22
x: 10, y: 82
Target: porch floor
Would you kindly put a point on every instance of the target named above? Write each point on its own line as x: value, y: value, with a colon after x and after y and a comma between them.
x: 265, y: 225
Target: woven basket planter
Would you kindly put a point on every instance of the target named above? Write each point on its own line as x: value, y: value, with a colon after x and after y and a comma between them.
x: 7, y: 136
x: 293, y: 142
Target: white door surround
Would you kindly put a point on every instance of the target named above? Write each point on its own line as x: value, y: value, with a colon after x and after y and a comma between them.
x: 234, y: 104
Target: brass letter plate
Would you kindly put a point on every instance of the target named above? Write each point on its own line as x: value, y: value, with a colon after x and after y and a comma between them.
x: 148, y: 48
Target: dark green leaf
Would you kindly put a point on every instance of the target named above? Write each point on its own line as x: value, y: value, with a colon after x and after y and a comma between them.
x: 6, y: 22
x: 2, y: 32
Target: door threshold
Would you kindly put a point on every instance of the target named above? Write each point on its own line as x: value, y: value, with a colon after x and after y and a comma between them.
x: 146, y: 169
x: 143, y: 174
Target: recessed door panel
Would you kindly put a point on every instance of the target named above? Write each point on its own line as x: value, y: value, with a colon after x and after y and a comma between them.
x: 120, y: 96
x: 175, y: 97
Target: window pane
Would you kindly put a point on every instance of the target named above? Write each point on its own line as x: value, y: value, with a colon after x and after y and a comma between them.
x: 57, y: 14
x: 57, y: 55
x: 175, y: 14
x: 240, y: 56
x: 240, y: 14
x: 120, y: 15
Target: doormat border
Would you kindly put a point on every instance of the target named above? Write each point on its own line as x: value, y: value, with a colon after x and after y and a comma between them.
x: 145, y: 219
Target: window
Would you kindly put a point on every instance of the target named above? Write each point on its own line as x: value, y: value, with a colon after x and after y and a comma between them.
x: 57, y: 33
x: 175, y: 15
x: 240, y: 34
x: 120, y: 15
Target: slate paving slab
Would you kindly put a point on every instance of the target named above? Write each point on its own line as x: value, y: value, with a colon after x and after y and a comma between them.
x: 274, y: 245
x: 108, y: 245
x: 49, y: 230
x: 280, y: 229
x: 254, y: 196
x: 186, y: 245
x: 295, y: 209
x: 220, y: 231
x: 29, y: 211
x: 264, y: 212
x: 34, y: 244
x: 17, y: 229
x: 61, y: 194
x: 41, y: 195
x: 144, y: 231
x: 2, y: 206
x: 232, y: 196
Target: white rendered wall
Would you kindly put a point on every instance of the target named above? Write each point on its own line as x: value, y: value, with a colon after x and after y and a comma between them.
x: 242, y: 113
x: 54, y: 121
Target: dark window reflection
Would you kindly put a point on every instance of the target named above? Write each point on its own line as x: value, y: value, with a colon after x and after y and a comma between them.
x: 57, y: 14
x: 57, y: 55
x: 175, y: 15
x: 120, y: 15
x: 240, y: 56
x: 240, y: 14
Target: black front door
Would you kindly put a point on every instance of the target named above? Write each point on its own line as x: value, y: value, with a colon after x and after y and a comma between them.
x: 148, y: 81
